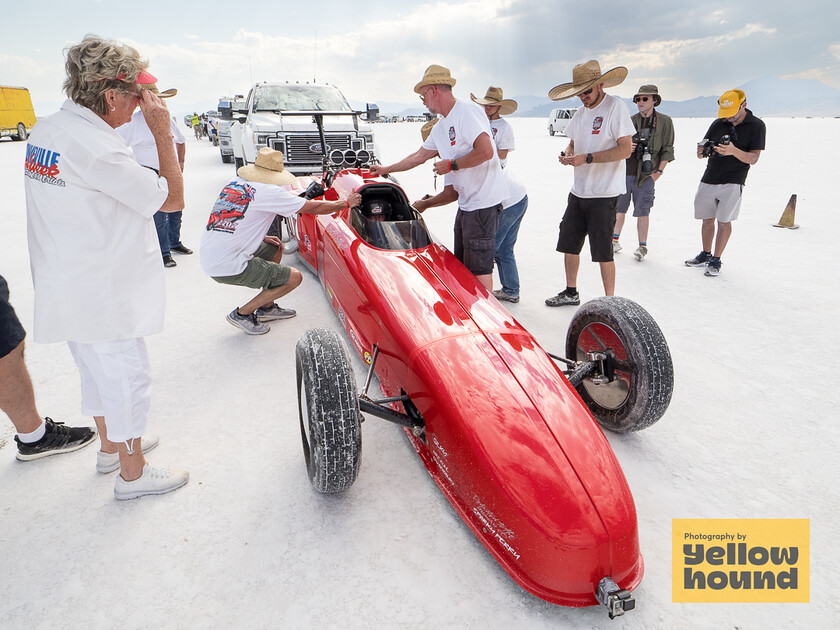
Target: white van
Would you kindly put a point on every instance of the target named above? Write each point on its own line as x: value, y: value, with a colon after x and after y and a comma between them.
x: 558, y: 119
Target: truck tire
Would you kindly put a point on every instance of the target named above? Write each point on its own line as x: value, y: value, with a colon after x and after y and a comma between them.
x: 238, y: 162
x: 227, y: 159
x: 330, y: 420
x: 550, y: 130
x: 641, y: 391
x: 21, y: 132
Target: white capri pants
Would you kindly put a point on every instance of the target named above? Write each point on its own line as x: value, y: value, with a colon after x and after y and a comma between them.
x: 116, y: 383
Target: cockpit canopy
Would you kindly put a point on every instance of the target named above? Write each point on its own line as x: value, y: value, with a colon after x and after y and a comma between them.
x: 386, y: 220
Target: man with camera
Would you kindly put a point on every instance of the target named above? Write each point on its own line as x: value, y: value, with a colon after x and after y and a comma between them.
x: 653, y: 148
x: 732, y: 144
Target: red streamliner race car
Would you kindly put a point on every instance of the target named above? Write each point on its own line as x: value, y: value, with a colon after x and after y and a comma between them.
x: 507, y: 435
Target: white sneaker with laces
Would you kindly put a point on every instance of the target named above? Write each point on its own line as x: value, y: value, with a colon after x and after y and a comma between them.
x: 616, y: 246
x: 640, y: 252
x: 152, y: 481
x: 109, y: 462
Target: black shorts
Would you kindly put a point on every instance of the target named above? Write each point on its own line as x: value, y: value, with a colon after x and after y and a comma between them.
x: 475, y: 238
x: 11, y: 331
x: 588, y: 217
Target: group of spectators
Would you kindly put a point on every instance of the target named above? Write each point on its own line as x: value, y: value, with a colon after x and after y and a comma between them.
x: 86, y: 191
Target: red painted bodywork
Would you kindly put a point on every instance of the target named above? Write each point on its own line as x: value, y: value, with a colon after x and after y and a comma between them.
x: 508, y: 439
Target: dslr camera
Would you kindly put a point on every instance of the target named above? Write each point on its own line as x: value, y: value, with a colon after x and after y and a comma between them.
x: 708, y: 146
x: 643, y: 153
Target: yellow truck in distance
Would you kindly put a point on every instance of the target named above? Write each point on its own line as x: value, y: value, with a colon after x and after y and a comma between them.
x: 16, y: 114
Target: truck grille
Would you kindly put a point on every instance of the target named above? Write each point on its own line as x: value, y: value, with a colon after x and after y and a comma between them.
x: 297, y: 146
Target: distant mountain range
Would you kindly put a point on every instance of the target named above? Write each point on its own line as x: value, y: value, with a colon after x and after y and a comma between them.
x: 766, y: 97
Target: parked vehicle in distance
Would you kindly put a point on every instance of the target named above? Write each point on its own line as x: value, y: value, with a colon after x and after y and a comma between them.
x: 17, y: 116
x: 283, y: 116
x: 229, y: 106
x: 559, y: 118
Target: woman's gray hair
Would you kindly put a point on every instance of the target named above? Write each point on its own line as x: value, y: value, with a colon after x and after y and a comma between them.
x: 93, y: 67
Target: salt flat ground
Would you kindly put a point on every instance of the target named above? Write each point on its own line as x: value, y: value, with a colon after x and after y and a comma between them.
x: 751, y: 431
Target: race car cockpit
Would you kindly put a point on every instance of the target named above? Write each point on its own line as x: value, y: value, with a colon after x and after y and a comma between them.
x: 386, y: 220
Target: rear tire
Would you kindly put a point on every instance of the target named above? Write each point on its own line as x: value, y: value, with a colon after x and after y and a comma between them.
x: 328, y: 404
x: 238, y: 162
x: 551, y: 131
x: 227, y: 159
x: 21, y: 132
x: 644, y: 382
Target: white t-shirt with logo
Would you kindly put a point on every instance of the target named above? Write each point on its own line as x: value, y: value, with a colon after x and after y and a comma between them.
x: 93, y: 249
x: 138, y: 136
x: 599, y: 129
x: 238, y: 223
x: 503, y: 137
x: 453, y: 137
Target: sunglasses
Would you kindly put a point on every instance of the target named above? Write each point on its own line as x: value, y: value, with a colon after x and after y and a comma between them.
x: 644, y: 99
x: 589, y: 91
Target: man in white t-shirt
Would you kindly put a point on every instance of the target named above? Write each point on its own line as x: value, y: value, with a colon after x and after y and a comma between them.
x: 139, y: 138
x: 235, y: 249
x: 513, y: 208
x: 600, y: 139
x: 463, y: 140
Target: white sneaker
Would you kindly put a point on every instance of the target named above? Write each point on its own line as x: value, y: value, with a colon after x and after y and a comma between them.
x: 640, y: 252
x: 152, y: 481
x: 616, y: 246
x: 109, y: 462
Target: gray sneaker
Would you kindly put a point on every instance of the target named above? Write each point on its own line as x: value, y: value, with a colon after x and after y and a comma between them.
x: 152, y: 481
x: 505, y: 297
x: 273, y: 312
x: 248, y: 323
x: 713, y: 266
x: 564, y: 299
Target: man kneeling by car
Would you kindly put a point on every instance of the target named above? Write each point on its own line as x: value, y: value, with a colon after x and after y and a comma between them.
x: 235, y: 249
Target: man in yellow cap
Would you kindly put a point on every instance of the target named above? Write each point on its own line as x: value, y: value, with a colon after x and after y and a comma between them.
x: 732, y: 144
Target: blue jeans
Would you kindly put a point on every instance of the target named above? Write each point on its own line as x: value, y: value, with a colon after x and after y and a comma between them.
x: 506, y: 235
x: 168, y: 226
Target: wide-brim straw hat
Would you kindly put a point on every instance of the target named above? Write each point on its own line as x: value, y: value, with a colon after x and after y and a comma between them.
x: 426, y: 129
x: 495, y: 97
x: 649, y: 90
x: 435, y: 75
x: 153, y: 88
x: 268, y: 169
x: 584, y: 76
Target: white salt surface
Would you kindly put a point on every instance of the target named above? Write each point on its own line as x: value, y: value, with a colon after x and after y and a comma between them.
x: 751, y: 431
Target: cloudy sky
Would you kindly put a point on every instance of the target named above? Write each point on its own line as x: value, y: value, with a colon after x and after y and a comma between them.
x: 377, y: 51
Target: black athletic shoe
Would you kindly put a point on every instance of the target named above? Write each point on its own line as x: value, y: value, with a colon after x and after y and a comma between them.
x: 700, y: 260
x: 181, y: 249
x: 57, y: 439
x: 168, y: 261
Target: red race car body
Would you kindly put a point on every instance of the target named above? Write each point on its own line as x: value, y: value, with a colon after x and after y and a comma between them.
x: 507, y: 437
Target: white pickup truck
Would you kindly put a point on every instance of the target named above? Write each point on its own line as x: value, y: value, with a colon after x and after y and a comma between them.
x: 283, y: 116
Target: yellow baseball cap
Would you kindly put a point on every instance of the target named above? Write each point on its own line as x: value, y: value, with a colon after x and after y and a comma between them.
x: 730, y: 102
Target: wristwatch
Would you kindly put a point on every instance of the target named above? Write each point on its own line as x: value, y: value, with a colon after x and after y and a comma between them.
x: 589, y: 158
x: 453, y: 165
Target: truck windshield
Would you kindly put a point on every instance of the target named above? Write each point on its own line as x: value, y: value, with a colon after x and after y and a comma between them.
x: 299, y: 98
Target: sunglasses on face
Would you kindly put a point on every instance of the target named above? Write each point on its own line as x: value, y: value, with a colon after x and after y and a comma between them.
x: 589, y: 91
x: 644, y: 99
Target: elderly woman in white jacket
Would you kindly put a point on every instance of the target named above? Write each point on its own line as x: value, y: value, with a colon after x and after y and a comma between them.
x: 96, y: 265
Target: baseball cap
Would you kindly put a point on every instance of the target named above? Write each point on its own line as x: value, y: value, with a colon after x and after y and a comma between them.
x: 730, y: 102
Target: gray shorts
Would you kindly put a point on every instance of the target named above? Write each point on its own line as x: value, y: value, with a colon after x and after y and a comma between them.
x: 642, y: 197
x: 718, y: 201
x: 260, y: 272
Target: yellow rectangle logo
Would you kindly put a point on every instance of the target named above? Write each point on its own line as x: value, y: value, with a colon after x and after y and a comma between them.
x: 740, y: 560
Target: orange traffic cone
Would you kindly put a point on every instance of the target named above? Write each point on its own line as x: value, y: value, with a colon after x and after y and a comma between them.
x: 786, y: 220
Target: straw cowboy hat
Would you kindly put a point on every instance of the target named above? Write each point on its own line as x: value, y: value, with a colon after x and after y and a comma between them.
x: 584, y: 76
x: 495, y: 98
x: 435, y: 75
x: 268, y: 169
x: 426, y: 129
x: 153, y: 88
x: 649, y: 90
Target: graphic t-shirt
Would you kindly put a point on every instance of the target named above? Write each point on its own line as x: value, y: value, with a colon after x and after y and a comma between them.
x: 452, y: 137
x: 238, y: 223
x: 599, y: 129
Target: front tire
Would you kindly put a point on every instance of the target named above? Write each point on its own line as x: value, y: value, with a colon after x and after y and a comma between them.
x: 551, y: 131
x: 21, y: 132
x: 644, y: 372
x: 238, y: 162
x: 330, y: 420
